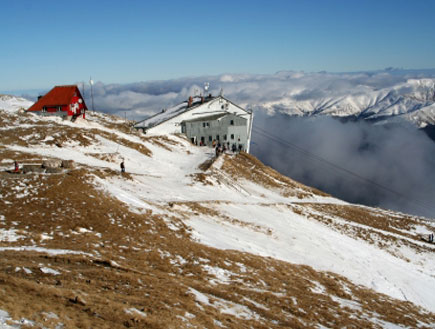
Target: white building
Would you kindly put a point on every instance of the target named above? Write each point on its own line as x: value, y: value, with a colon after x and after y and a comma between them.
x: 172, y: 120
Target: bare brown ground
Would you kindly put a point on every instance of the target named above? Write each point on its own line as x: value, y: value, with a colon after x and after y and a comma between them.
x: 246, y: 166
x: 122, y: 141
x: 112, y: 122
x: 138, y: 272
x: 49, y: 134
x: 372, y: 226
x: 137, y: 262
x: 161, y: 141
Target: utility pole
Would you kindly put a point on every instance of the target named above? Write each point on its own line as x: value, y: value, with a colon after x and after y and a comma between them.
x: 92, y: 92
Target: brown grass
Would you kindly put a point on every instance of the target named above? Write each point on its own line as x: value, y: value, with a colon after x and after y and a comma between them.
x: 138, y: 261
x: 159, y: 141
x: 50, y: 134
x: 246, y: 166
x: 148, y: 275
x: 125, y: 142
x: 374, y: 225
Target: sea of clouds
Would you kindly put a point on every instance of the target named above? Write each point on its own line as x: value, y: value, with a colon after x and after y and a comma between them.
x: 391, y: 166
x: 142, y: 99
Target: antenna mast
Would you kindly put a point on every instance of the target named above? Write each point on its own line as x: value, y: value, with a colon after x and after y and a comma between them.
x: 83, y: 89
x: 92, y: 92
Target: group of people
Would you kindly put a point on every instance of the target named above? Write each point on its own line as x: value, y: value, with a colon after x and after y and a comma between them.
x: 222, y: 148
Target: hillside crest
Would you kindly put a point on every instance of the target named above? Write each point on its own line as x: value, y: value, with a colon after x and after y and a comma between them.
x: 183, y: 239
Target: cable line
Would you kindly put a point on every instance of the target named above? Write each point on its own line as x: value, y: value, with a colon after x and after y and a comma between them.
x: 420, y: 204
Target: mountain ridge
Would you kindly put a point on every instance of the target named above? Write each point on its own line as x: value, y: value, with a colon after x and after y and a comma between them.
x: 229, y: 244
x: 412, y: 101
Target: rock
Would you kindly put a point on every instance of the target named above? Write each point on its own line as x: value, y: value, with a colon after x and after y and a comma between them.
x: 51, y: 163
x: 32, y: 168
x: 78, y: 300
x: 68, y: 164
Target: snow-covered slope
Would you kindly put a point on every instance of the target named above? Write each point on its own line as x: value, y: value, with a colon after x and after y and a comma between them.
x: 12, y: 103
x: 412, y: 101
x: 363, y: 263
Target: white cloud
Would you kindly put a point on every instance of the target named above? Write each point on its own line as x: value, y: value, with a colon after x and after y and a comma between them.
x: 260, y: 91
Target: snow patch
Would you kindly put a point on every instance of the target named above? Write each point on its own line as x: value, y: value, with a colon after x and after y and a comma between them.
x: 9, y: 235
x: 48, y: 270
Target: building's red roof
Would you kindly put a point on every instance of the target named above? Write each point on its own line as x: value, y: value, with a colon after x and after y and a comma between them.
x: 58, y: 96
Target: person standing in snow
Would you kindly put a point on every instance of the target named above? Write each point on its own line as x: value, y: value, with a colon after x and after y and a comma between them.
x: 17, y: 167
x: 122, y: 166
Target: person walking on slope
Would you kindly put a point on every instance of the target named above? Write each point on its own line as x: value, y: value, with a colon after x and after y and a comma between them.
x: 122, y: 166
x: 16, y: 166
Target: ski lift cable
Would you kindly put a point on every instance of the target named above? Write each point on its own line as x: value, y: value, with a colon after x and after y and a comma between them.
x: 319, y: 159
x: 314, y: 157
x: 418, y: 205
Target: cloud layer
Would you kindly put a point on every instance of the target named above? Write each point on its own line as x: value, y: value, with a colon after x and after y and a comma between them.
x: 266, y: 92
x: 387, y: 166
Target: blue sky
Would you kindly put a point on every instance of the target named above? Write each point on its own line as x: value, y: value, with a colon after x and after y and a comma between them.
x: 44, y: 43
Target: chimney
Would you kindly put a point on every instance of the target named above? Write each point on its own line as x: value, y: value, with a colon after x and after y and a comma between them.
x: 189, y: 102
x: 39, y: 97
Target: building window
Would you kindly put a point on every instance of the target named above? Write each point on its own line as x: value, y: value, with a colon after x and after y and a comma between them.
x: 183, y: 129
x: 44, y: 109
x: 209, y: 138
x: 208, y: 124
x: 232, y: 122
x: 225, y: 137
x: 232, y: 136
x: 217, y: 137
x: 203, y: 124
x: 222, y: 107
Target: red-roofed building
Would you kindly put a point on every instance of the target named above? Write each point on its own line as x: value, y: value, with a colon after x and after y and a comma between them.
x: 64, y: 101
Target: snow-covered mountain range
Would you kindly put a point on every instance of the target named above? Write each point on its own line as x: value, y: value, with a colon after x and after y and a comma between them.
x: 186, y: 240
x: 413, y: 101
x: 387, y: 96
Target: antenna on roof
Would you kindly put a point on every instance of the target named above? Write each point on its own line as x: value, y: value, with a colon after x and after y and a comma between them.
x: 83, y: 89
x: 91, y: 82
